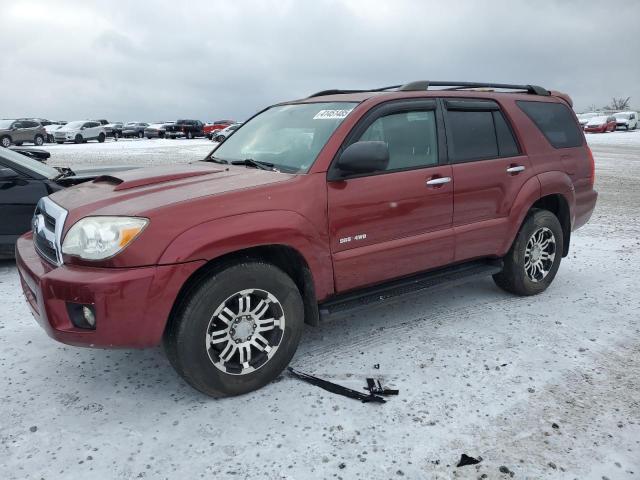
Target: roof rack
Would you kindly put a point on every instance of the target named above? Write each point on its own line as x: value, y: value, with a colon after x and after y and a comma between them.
x: 425, y: 84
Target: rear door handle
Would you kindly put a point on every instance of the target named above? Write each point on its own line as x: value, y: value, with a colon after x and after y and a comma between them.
x: 515, y: 169
x: 439, y: 181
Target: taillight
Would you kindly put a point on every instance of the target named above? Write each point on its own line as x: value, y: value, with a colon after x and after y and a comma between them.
x: 592, y: 176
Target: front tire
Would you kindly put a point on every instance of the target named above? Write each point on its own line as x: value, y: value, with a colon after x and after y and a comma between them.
x: 140, y: 135
x: 78, y: 139
x: 5, y: 141
x: 101, y: 138
x: 188, y: 135
x: 38, y: 140
x: 534, y: 258
x: 236, y: 330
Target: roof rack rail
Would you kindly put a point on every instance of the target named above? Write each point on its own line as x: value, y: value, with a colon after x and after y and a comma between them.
x: 421, y: 85
x: 335, y: 91
x: 425, y: 84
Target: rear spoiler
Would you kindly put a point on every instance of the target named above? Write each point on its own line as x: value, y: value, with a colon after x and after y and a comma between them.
x: 563, y: 96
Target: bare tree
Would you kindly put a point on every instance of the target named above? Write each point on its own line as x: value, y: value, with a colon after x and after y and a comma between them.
x: 619, y: 103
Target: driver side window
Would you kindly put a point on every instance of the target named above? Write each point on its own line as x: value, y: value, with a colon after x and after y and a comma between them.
x: 410, y: 137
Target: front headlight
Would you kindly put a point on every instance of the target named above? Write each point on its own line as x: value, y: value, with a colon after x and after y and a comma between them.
x: 97, y: 238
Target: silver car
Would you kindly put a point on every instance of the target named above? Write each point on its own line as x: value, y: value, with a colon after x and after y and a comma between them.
x: 17, y: 132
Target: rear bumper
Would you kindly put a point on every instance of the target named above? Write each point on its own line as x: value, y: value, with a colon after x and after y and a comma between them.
x: 132, y: 305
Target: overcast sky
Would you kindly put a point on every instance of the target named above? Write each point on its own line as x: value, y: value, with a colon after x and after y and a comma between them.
x: 160, y: 60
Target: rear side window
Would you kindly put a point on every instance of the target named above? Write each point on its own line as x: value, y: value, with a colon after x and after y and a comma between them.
x: 410, y: 136
x: 555, y: 121
x: 507, y: 146
x: 471, y: 135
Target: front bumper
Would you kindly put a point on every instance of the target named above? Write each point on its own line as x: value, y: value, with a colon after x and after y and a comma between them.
x: 132, y: 305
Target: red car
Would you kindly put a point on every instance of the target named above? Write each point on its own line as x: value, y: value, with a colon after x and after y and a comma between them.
x: 327, y: 204
x: 601, y: 124
x: 210, y: 128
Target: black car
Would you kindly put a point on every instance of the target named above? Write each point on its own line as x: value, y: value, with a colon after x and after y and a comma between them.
x: 23, y: 181
x: 186, y: 129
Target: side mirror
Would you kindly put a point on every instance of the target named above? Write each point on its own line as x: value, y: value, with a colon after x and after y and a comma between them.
x: 81, y: 128
x: 361, y: 158
x: 7, y: 174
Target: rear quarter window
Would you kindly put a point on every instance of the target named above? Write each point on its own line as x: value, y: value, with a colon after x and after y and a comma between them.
x: 555, y: 121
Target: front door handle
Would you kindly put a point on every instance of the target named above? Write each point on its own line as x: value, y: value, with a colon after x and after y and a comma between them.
x: 438, y: 181
x: 515, y: 169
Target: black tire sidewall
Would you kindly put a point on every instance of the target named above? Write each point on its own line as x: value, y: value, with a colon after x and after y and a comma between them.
x: 514, y: 277
x: 35, y: 140
x: 5, y: 140
x: 190, y: 354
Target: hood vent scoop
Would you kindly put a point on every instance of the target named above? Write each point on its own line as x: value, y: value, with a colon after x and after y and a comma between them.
x: 108, y: 179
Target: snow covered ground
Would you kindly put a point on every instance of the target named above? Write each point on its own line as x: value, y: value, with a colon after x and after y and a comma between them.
x: 544, y: 387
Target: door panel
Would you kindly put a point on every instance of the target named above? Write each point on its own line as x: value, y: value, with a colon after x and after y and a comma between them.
x: 18, y: 199
x: 389, y: 225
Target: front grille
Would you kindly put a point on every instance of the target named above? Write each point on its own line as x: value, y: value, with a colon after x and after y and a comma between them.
x: 47, y: 225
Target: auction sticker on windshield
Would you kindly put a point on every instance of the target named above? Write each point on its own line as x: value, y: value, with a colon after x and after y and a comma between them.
x: 331, y: 114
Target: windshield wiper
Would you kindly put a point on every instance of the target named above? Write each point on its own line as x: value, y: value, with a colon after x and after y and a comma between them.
x: 250, y: 162
x: 216, y: 160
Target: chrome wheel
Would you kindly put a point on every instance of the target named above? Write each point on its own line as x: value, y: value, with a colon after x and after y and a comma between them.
x: 540, y: 254
x: 245, y: 331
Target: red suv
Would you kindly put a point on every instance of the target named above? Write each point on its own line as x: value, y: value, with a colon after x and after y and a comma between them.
x: 313, y: 206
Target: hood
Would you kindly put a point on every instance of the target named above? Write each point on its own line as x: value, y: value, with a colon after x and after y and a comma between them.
x: 597, y: 121
x: 144, y: 191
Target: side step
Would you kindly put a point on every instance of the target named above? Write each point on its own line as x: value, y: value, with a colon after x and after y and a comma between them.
x: 432, y: 280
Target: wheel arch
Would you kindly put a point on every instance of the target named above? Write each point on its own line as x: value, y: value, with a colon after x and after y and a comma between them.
x: 285, y: 257
x: 557, y: 204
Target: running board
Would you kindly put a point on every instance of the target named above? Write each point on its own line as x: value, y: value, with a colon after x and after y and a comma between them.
x: 432, y: 280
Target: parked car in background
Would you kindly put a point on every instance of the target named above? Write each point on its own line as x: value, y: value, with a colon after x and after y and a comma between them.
x: 211, y: 129
x: 80, y: 131
x: 583, y: 118
x: 50, y: 129
x: 17, y: 132
x: 626, y: 120
x: 102, y: 121
x: 223, y: 134
x: 186, y: 129
x: 23, y: 181
x: 156, y: 130
x: 134, y: 129
x: 601, y: 124
x: 113, y: 129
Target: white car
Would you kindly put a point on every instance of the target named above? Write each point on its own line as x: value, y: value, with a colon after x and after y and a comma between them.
x: 584, y: 118
x: 626, y: 120
x: 80, y: 131
x: 50, y: 129
x: 223, y: 134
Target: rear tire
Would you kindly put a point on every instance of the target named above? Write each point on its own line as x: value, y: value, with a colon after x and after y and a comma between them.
x: 188, y: 135
x: 534, y: 258
x: 224, y: 306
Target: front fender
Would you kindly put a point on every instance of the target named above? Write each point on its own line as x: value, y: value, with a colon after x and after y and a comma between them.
x: 215, y: 238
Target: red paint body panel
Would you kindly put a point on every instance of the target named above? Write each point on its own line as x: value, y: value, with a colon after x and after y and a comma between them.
x: 131, y: 305
x: 351, y: 233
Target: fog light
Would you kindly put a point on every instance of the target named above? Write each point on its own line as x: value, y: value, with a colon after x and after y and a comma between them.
x: 82, y: 315
x: 89, y: 317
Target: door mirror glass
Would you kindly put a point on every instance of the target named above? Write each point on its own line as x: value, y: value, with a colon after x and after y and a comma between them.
x: 8, y: 174
x: 362, y: 158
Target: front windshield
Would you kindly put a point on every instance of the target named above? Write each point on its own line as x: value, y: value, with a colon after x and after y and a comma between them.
x: 287, y: 136
x: 625, y: 116
x: 5, y: 123
x: 28, y: 163
x: 74, y: 124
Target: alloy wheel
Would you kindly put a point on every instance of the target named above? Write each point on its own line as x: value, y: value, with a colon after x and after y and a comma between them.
x: 245, y: 331
x: 539, y: 254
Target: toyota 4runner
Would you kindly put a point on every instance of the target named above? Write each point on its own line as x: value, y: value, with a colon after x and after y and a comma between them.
x: 312, y: 207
